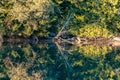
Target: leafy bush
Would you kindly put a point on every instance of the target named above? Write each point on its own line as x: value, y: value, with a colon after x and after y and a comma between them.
x: 40, y: 17
x: 104, y: 14
x: 28, y: 17
x: 92, y: 30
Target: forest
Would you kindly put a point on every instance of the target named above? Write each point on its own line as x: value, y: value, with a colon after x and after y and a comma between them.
x: 50, y: 18
x: 28, y: 27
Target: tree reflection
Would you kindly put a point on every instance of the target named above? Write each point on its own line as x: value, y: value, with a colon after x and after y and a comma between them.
x: 92, y: 62
x: 58, y: 62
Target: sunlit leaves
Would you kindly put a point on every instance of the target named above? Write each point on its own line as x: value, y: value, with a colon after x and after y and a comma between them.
x: 27, y: 30
x: 80, y: 17
x: 92, y: 12
x: 18, y: 12
x: 117, y: 58
x: 88, y: 61
x: 113, y: 2
x: 44, y: 16
x: 23, y: 10
x: 15, y: 27
x: 27, y: 51
x: 92, y: 30
x: 22, y: 17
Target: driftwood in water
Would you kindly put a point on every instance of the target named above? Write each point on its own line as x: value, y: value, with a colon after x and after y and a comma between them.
x: 78, y: 41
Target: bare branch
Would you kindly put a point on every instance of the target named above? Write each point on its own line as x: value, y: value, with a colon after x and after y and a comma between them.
x: 62, y: 54
x: 64, y: 25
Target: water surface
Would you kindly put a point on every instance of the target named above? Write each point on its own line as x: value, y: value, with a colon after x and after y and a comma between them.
x: 52, y: 61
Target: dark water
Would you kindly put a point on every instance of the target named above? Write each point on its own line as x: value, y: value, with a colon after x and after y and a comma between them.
x: 49, y: 61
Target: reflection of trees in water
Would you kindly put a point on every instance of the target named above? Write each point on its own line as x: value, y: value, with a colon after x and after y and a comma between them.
x: 92, y: 62
x: 47, y: 62
x: 18, y: 72
x: 16, y: 60
x: 113, y: 59
x: 38, y: 59
x: 92, y: 51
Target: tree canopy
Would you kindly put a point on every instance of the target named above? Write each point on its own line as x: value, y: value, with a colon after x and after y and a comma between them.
x: 42, y: 18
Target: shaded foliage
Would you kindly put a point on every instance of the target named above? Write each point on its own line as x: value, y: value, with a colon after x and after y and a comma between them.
x: 44, y: 61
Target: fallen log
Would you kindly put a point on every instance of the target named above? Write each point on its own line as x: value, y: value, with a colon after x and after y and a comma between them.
x: 78, y: 41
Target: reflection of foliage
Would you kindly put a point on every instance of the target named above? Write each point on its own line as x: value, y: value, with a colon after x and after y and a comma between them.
x: 31, y: 61
x: 12, y: 58
x: 89, y: 68
x: 113, y: 60
x: 45, y: 61
x: 93, y: 51
x: 20, y: 73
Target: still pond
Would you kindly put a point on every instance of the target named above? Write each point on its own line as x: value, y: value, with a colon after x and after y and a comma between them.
x: 53, y: 61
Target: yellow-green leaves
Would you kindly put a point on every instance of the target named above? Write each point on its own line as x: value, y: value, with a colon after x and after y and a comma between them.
x: 79, y: 17
x: 24, y: 12
x: 113, y: 2
x: 25, y: 16
x: 15, y: 54
x: 91, y: 30
x: 19, y: 12
x: 39, y: 17
x: 27, y: 30
x: 15, y: 27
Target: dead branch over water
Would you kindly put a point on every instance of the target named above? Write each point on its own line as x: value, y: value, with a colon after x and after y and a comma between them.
x: 64, y: 25
x: 63, y: 56
x: 82, y: 41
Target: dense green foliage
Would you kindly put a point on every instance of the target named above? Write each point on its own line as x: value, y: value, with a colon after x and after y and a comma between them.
x: 91, y: 13
x: 92, y: 31
x: 24, y: 17
x: 43, y: 17
x: 90, y: 18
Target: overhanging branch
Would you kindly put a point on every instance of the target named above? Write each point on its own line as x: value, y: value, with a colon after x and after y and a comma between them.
x: 64, y: 25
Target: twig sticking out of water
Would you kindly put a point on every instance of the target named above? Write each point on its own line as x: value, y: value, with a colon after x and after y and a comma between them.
x: 62, y: 54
